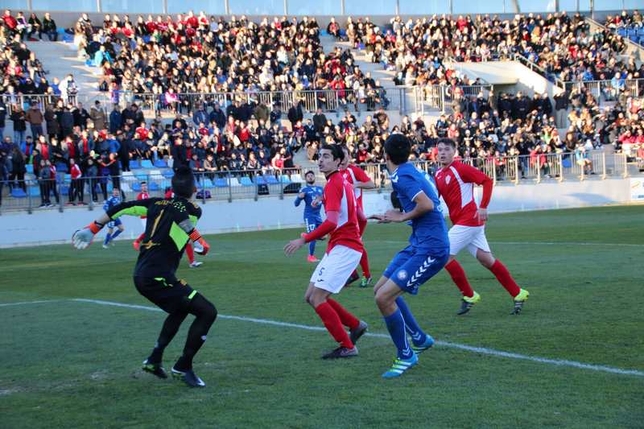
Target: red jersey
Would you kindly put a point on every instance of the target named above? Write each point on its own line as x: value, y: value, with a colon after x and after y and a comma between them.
x: 455, y: 183
x: 354, y: 174
x: 338, y: 196
x: 75, y: 172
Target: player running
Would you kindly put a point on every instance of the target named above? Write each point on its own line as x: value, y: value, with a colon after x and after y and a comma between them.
x: 170, y: 226
x: 341, y: 258
x: 455, y: 182
x: 312, y: 197
x: 113, y: 201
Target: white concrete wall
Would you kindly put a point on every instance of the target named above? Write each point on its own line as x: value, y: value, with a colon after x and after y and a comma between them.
x: 51, y: 226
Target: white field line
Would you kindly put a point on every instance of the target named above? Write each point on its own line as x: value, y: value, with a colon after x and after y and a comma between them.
x: 498, y: 243
x: 480, y: 350
x: 11, y: 304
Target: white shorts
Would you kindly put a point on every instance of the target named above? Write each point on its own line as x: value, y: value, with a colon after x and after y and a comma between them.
x: 472, y: 237
x: 334, y: 269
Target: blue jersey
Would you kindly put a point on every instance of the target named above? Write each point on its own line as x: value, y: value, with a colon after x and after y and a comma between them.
x: 428, y: 230
x: 111, y: 202
x: 311, y: 193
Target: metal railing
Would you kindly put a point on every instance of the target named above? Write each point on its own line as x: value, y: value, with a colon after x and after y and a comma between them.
x: 31, y: 194
x: 440, y: 96
x: 329, y: 100
x: 603, y: 90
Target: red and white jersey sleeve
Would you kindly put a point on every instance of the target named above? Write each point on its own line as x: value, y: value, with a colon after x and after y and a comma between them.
x: 354, y: 174
x: 455, y: 183
x: 339, y: 197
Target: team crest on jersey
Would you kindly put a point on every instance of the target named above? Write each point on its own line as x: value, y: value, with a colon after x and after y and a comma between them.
x: 402, y: 275
x: 447, y: 179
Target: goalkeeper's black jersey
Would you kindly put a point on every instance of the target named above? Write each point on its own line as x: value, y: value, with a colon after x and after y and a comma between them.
x: 169, y: 223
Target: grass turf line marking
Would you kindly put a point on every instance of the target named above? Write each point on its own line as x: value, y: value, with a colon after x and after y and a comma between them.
x: 11, y: 304
x: 473, y: 349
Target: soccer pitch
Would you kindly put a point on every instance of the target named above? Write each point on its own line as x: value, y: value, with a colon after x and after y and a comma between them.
x: 75, y: 331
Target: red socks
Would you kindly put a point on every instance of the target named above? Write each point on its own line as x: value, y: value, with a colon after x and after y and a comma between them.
x: 140, y: 237
x: 505, y: 278
x: 460, y: 279
x: 364, y: 264
x: 190, y: 253
x: 333, y: 324
x: 347, y: 319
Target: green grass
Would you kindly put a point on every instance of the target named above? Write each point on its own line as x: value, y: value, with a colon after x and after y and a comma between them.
x: 77, y: 364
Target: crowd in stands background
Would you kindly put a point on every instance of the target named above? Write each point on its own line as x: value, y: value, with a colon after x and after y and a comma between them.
x: 170, y: 56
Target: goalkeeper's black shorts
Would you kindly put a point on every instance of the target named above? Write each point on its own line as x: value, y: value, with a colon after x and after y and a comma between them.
x: 169, y: 293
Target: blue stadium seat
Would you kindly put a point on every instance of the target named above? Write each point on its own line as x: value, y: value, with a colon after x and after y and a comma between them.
x: 146, y: 163
x: 221, y: 182
x: 136, y: 187
x: 33, y: 191
x: 167, y: 173
x: 285, y: 179
x: 30, y: 168
x: 154, y: 186
x: 135, y: 164
x: 160, y: 163
x: 260, y: 180
x: 271, y: 180
x: 18, y: 193
x: 245, y: 181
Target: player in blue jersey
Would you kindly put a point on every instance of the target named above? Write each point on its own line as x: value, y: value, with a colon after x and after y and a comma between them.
x: 312, y: 197
x: 112, y: 201
x: 426, y: 254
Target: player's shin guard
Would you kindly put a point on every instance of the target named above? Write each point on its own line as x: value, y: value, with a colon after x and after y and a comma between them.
x: 333, y: 324
x: 505, y: 278
x: 205, y: 315
x: 396, y: 327
x: 347, y: 319
x: 170, y: 328
x: 411, y: 326
x: 457, y: 273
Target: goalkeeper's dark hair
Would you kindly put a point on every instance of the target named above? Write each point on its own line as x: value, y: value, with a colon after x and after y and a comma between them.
x: 183, y: 182
x: 335, y: 149
x: 398, y: 148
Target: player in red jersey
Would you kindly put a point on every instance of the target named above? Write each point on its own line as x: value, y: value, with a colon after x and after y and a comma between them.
x: 455, y: 182
x: 359, y: 180
x: 342, y: 256
x: 143, y: 195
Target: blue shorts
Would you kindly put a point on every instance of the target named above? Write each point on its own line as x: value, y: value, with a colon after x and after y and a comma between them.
x: 312, y: 223
x: 114, y: 223
x: 413, y: 266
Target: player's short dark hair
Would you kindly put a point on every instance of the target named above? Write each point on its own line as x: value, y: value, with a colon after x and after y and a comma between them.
x: 447, y: 142
x: 183, y: 182
x: 398, y: 148
x: 335, y: 149
x: 309, y: 172
x: 144, y: 182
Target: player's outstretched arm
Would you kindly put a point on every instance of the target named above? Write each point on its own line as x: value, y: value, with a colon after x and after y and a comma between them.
x: 82, y: 238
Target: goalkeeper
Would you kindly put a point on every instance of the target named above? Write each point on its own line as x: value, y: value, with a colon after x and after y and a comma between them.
x: 169, y: 228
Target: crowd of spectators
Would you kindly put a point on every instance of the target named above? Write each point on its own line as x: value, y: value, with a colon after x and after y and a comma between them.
x: 192, y: 53
x: 563, y: 47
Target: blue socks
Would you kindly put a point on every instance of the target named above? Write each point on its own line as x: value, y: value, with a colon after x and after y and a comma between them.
x: 312, y: 247
x: 116, y: 234
x: 417, y: 334
x: 396, y: 327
